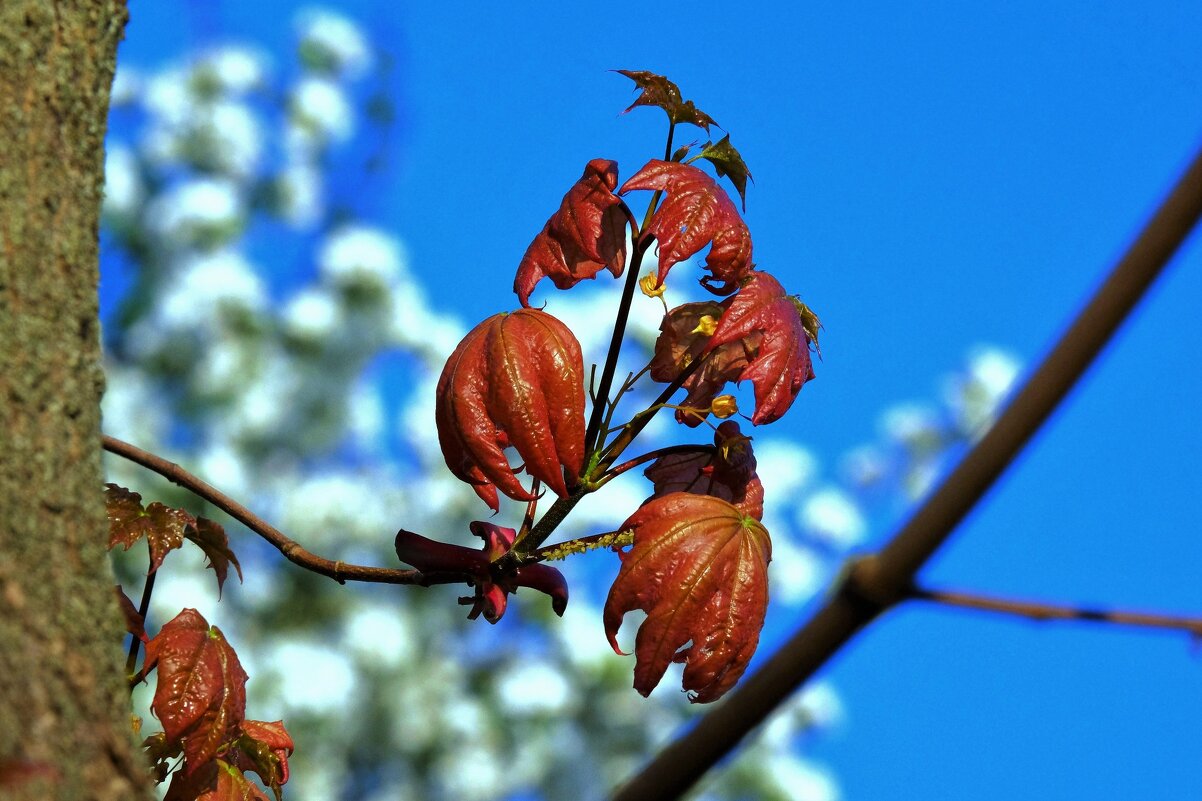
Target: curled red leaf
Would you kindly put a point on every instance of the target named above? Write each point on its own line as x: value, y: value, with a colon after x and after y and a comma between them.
x: 770, y: 327
x: 699, y: 569
x: 515, y: 380
x: 726, y: 471
x: 696, y: 212
x: 586, y: 235
x: 492, y: 579
x: 201, y: 694
x: 263, y: 748
x: 684, y: 335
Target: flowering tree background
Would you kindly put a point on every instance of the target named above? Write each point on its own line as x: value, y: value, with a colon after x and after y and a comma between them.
x: 276, y: 394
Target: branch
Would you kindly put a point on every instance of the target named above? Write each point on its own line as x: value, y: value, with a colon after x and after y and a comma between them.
x: 339, y: 571
x: 874, y: 583
x: 1044, y: 612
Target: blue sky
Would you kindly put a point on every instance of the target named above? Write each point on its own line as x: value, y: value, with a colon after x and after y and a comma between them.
x: 927, y: 176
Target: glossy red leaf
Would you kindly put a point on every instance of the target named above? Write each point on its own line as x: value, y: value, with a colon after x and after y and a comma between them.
x: 515, y: 380
x: 656, y: 90
x: 770, y: 326
x: 684, y: 335
x: 201, y: 694
x: 699, y: 569
x: 726, y: 471
x: 695, y: 212
x: 216, y: 780
x: 586, y: 235
x: 264, y: 748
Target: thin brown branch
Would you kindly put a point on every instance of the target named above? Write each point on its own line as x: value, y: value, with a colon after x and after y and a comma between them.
x: 874, y: 583
x: 292, y: 550
x: 1043, y: 612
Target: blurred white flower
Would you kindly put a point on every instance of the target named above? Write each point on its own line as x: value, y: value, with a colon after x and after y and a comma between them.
x: 799, y: 780
x: 209, y: 286
x: 864, y: 466
x: 795, y: 573
x: 226, y: 136
x: 298, y: 195
x: 198, y: 212
x: 821, y: 704
x: 321, y: 105
x: 235, y: 68
x: 324, y: 683
x: 222, y: 466
x: 784, y: 468
x: 131, y: 408
x: 366, y: 416
x: 312, y: 315
x: 127, y: 83
x: 832, y: 517
x: 332, y: 507
x: 168, y: 97
x: 472, y: 773
x: 123, y: 190
x: 533, y: 687
x: 975, y: 396
x: 330, y: 41
x: 913, y: 425
x: 380, y: 635
x: 356, y: 256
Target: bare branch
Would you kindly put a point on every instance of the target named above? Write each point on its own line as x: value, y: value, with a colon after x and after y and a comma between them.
x: 292, y: 550
x: 876, y: 582
x: 1044, y: 612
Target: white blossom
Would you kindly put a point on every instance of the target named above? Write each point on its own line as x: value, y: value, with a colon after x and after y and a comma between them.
x: 321, y: 105
x: 331, y: 41
x: 534, y: 687
x: 200, y: 211
x: 211, y: 284
x: 312, y: 315
x: 123, y: 189
x: 832, y: 517
x: 359, y: 256
x: 299, y: 199
x: 236, y: 69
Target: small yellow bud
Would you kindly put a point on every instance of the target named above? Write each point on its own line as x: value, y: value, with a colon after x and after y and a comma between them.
x: 648, y: 284
x: 724, y: 406
x: 706, y: 325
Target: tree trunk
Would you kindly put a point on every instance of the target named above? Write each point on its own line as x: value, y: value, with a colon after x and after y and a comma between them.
x: 64, y: 707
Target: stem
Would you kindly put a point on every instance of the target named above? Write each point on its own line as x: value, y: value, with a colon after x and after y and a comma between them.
x: 606, y: 539
x: 640, y: 420
x: 292, y: 551
x: 1044, y: 612
x: 131, y: 661
x: 614, y: 472
x: 882, y: 580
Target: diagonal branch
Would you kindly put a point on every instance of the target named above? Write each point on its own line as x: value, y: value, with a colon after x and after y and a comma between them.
x: 874, y: 583
x: 1044, y: 612
x: 339, y: 571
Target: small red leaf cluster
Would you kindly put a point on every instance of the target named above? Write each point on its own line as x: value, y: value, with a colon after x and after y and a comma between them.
x: 165, y: 529
x: 201, y: 701
x: 586, y: 235
x: 516, y: 380
x: 699, y: 569
x: 727, y: 472
x: 492, y: 578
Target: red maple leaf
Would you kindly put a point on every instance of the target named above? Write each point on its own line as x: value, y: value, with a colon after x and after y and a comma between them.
x: 699, y: 569
x: 656, y: 90
x: 586, y: 235
x: 515, y: 380
x: 201, y: 694
x: 216, y: 780
x: 696, y: 212
x: 770, y: 326
x: 683, y: 339
x: 727, y: 472
x: 263, y: 748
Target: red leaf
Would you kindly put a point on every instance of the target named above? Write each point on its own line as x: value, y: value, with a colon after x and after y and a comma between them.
x: 769, y: 324
x: 696, y: 212
x: 515, y: 379
x: 217, y: 780
x: 681, y: 342
x: 162, y: 526
x: 264, y: 748
x: 201, y: 694
x: 727, y: 472
x: 134, y: 622
x: 699, y: 569
x: 211, y: 539
x: 659, y: 91
x: 586, y: 235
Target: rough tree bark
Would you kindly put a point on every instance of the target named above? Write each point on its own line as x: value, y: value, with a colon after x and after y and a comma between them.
x: 64, y: 710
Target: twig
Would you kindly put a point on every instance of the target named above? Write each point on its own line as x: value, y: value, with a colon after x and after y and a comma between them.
x: 131, y: 659
x: 339, y: 571
x: 1045, y: 612
x: 877, y: 582
x: 618, y: 470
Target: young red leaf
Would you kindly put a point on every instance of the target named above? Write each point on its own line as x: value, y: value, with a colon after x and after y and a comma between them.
x: 264, y: 748
x: 217, y: 780
x: 728, y: 162
x: 656, y: 90
x: 684, y: 333
x: 515, y: 379
x: 162, y: 526
x: 586, y: 235
x: 770, y: 327
x: 134, y: 623
x: 696, y: 212
x: 699, y: 569
x: 727, y: 472
x: 211, y: 539
x: 201, y: 694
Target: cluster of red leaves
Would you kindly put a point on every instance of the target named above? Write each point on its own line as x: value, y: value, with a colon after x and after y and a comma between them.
x: 492, y: 578
x: 165, y: 529
x: 698, y: 564
x: 517, y: 379
x: 201, y: 702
